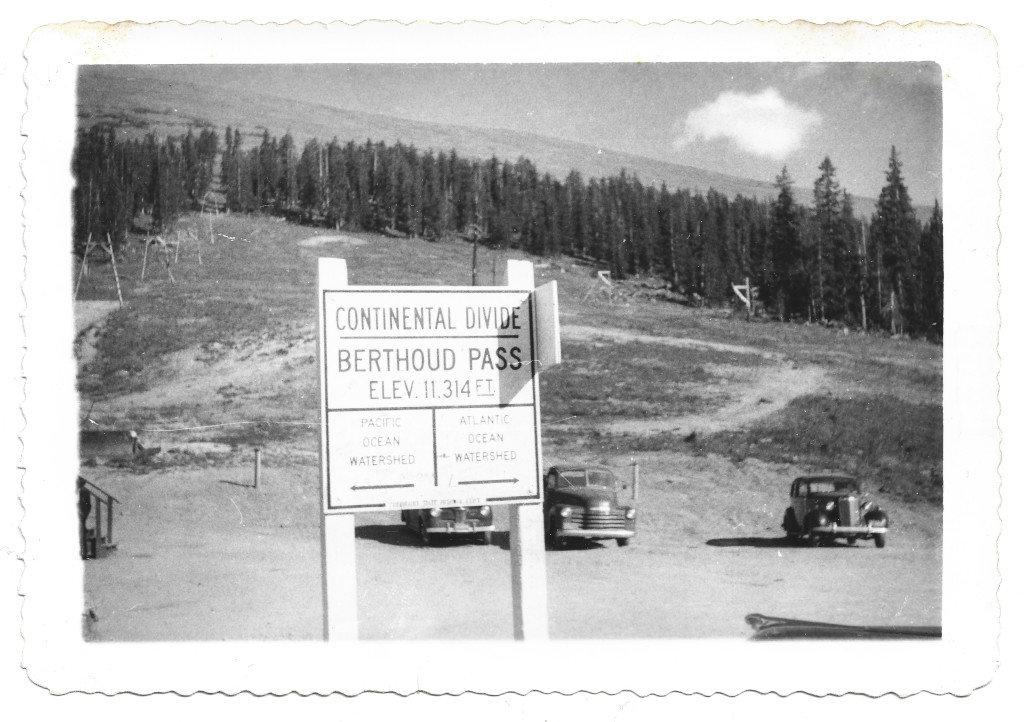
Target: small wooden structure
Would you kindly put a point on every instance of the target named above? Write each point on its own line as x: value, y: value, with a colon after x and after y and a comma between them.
x: 91, y: 502
x: 747, y: 295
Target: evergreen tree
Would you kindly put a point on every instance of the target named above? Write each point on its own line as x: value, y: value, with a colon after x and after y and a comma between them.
x: 826, y: 300
x: 784, y: 286
x: 846, y: 263
x: 226, y: 163
x: 310, y: 179
x: 286, y: 179
x: 895, y: 230
x: 432, y: 194
x: 575, y: 214
x: 931, y: 271
x: 339, y: 200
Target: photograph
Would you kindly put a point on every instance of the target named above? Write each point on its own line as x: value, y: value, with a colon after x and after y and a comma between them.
x: 499, y: 360
x: 748, y: 262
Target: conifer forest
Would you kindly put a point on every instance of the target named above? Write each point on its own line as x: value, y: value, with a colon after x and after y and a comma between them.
x: 818, y: 264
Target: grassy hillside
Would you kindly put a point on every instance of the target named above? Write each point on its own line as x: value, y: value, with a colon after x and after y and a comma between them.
x: 140, y: 104
x: 226, y: 351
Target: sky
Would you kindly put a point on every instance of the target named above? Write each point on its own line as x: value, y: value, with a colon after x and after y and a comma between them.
x: 743, y: 119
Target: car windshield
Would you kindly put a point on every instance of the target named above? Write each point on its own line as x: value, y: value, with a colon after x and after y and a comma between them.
x: 832, y: 486
x: 576, y: 478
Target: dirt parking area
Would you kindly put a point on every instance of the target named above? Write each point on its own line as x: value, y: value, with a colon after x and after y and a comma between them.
x: 201, y: 555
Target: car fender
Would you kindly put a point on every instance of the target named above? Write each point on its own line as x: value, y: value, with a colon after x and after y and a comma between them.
x: 877, y: 517
x: 815, y: 518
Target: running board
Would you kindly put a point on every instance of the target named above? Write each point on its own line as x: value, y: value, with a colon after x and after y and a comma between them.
x: 766, y: 627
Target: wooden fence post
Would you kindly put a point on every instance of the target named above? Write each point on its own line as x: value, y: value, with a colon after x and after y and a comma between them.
x: 256, y: 475
x: 167, y: 260
x: 84, y: 264
x: 113, y: 262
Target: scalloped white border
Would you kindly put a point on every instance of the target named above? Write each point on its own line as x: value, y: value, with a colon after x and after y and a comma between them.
x: 965, y: 659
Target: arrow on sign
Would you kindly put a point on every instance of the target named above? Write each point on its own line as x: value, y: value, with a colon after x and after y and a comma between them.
x: 490, y: 481
x: 383, y: 486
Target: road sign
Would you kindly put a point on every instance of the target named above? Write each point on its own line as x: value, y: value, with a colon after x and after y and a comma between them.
x: 429, y: 397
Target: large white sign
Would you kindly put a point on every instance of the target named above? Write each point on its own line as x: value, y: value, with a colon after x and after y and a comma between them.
x: 429, y: 397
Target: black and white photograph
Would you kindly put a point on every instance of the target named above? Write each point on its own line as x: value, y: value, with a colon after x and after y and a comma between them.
x: 441, y: 360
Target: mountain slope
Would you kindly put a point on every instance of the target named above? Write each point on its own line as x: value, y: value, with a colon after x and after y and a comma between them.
x: 139, y: 104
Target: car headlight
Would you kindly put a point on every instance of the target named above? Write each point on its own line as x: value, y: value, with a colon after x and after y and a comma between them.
x: 830, y: 506
x: 631, y: 513
x: 435, y: 512
x: 565, y: 512
x: 485, y: 510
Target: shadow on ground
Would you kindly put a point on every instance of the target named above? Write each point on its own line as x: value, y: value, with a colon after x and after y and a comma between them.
x: 236, y: 483
x: 394, y: 534
x: 751, y: 541
x: 401, y: 536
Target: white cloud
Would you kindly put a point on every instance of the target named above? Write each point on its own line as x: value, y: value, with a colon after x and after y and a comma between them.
x: 763, y: 124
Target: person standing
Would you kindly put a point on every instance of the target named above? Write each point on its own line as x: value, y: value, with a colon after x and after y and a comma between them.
x: 84, y: 507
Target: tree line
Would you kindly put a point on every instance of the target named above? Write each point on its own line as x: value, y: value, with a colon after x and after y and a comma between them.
x: 820, y: 264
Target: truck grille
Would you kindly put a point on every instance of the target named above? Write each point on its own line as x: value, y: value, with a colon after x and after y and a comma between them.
x: 595, y: 519
x: 848, y: 511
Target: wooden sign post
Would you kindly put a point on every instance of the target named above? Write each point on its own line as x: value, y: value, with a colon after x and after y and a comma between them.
x: 447, y: 377
x: 526, y: 521
x: 337, y: 531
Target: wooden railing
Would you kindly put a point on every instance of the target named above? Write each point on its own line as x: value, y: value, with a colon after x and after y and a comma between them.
x: 91, y: 501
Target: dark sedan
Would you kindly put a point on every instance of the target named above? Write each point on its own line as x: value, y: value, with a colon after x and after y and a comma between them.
x: 582, y: 502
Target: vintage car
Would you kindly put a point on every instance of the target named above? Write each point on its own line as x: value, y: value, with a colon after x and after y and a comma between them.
x: 436, y: 523
x: 582, y: 502
x: 833, y: 507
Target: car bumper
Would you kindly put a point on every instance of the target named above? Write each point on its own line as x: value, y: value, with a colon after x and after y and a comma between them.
x: 850, y: 530
x: 454, y: 528
x: 596, y: 533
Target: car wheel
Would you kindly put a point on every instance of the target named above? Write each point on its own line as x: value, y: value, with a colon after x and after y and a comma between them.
x: 814, y: 540
x: 551, y: 539
x: 879, y: 540
x: 791, y: 526
x: 623, y: 542
x: 558, y: 543
x: 851, y: 540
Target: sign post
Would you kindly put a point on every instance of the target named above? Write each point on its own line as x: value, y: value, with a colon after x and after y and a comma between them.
x: 337, y: 532
x: 429, y: 398
x: 526, y: 526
